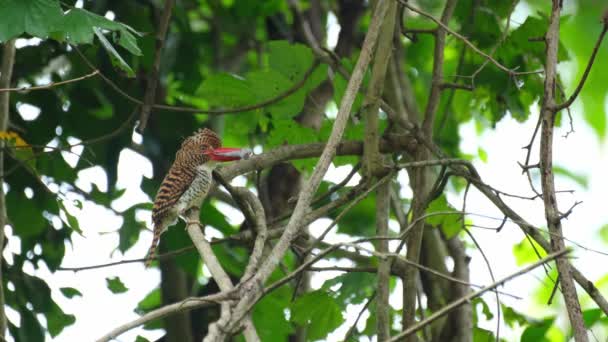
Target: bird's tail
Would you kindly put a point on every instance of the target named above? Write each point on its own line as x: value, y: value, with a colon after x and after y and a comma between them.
x: 152, y: 251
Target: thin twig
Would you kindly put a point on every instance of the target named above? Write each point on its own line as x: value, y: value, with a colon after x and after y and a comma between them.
x: 580, y: 85
x: 50, y: 85
x: 511, y: 72
x: 153, y: 76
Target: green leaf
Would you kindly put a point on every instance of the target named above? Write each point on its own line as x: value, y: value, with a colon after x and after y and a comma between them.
x: 129, y: 232
x: 449, y: 223
x: 57, y: 320
x: 30, y: 329
x: 360, y: 220
x: 72, y: 221
x: 292, y: 60
x: 36, y: 17
x: 537, y: 331
x: 78, y: 27
x: 269, y: 318
x: 269, y: 84
x: 115, y: 285
x: 591, y: 317
x: 355, y: 287
x: 525, y: 253
x: 577, y: 178
x: 511, y: 316
x: 226, y: 90
x: 114, y: 55
x: 150, y: 302
x: 483, y: 155
x: 70, y: 292
x: 141, y: 339
x: 318, y: 312
x: 38, y: 293
x: 210, y: 215
x: 483, y: 335
x: 604, y: 233
x: 485, y: 309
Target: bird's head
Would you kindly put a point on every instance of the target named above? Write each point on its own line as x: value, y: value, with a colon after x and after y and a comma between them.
x: 205, y: 147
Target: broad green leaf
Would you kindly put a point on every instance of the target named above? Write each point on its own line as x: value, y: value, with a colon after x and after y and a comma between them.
x: 292, y: 60
x: 115, y: 57
x: 355, y: 287
x: 288, y: 131
x: 141, y: 339
x: 57, y: 320
x: 129, y: 232
x: 511, y: 316
x: 177, y: 238
x: 591, y: 317
x: 210, y: 215
x: 269, y: 318
x: 228, y: 91
x: 35, y: 17
x: 440, y: 211
x: 537, y: 331
x: 483, y: 335
x: 360, y: 219
x: 38, y: 293
x: 233, y: 259
x: 318, y: 312
x: 116, y: 285
x: 70, y: 292
x: 150, y: 302
x: 29, y: 327
x: 525, y: 253
x: 25, y: 215
x: 77, y: 27
x: 269, y: 84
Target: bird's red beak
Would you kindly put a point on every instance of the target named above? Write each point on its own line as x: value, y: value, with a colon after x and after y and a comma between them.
x: 225, y: 154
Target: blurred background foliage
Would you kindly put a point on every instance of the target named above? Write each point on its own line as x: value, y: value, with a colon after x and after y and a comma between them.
x: 228, y: 54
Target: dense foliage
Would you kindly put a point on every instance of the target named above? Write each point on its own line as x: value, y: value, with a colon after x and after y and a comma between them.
x: 220, y: 57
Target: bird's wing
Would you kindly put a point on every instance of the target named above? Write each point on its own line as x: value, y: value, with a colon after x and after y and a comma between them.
x: 176, y: 182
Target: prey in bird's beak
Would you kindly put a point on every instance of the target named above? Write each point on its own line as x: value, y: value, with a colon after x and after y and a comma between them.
x: 225, y: 154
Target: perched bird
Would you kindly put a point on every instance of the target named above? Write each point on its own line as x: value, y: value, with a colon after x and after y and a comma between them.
x: 189, y: 180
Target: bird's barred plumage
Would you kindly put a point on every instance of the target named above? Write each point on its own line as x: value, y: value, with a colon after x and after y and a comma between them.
x: 186, y: 184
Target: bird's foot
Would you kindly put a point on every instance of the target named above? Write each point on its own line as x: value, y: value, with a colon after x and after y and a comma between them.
x: 188, y: 223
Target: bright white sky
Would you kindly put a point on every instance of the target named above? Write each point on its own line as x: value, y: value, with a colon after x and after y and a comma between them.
x: 98, y: 310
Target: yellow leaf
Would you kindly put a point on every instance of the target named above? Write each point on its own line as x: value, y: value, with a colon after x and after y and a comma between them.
x: 19, y: 142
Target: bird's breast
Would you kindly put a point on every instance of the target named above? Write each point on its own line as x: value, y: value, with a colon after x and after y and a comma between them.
x: 195, y: 194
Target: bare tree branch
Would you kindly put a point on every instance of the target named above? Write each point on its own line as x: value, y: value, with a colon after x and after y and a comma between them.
x: 6, y: 72
x: 218, y: 273
x: 455, y: 304
x: 547, y: 178
x: 186, y: 304
x: 50, y: 85
x: 329, y: 151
